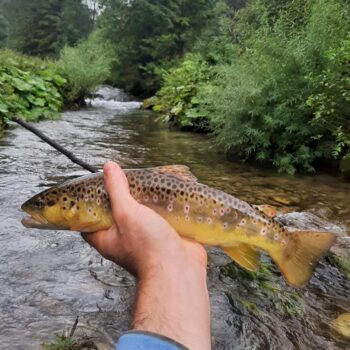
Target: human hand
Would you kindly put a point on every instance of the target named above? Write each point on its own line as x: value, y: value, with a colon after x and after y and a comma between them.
x: 140, y: 240
x: 172, y: 298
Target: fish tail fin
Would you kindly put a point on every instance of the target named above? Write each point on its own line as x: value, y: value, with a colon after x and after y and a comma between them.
x: 299, y: 256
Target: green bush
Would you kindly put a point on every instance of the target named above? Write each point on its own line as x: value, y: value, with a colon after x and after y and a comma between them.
x: 29, y: 88
x: 177, y: 99
x: 330, y: 103
x: 284, y: 98
x: 85, y: 67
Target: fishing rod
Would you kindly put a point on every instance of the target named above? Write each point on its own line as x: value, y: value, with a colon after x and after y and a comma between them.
x: 55, y: 145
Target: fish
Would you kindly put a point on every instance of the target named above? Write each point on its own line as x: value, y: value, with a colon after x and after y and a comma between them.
x: 195, y: 210
x: 342, y: 324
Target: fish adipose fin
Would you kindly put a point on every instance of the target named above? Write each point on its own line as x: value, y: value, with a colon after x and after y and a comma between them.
x: 299, y: 256
x: 182, y: 172
x: 267, y: 209
x: 244, y: 255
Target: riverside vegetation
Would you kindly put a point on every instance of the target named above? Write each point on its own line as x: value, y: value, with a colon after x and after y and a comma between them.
x: 269, y: 80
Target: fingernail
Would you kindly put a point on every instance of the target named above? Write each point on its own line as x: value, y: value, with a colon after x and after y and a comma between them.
x: 107, y: 167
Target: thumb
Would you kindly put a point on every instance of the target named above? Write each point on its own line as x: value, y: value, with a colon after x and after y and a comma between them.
x: 117, y: 187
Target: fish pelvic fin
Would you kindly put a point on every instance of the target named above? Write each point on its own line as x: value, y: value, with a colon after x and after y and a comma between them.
x: 244, y: 255
x: 299, y: 256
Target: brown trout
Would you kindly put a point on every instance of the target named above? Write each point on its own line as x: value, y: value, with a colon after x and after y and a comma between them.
x: 195, y: 210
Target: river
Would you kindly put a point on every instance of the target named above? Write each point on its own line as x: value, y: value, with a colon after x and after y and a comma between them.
x: 48, y: 278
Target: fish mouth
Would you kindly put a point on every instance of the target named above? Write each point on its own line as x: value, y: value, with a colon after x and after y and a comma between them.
x: 30, y: 221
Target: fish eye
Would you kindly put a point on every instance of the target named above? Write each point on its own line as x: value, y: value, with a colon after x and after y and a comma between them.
x: 38, y: 203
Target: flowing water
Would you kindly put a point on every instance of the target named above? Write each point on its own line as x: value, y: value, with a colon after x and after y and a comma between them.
x: 48, y: 278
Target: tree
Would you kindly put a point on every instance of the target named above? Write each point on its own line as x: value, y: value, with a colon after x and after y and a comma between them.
x: 44, y: 37
x: 77, y: 21
x: 43, y: 27
x: 150, y: 34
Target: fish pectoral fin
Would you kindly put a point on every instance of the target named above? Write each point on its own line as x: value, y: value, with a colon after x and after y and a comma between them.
x: 87, y: 226
x: 182, y: 172
x: 244, y: 255
x: 298, y: 257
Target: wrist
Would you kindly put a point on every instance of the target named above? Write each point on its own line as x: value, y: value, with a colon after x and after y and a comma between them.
x: 173, y: 301
x: 175, y: 262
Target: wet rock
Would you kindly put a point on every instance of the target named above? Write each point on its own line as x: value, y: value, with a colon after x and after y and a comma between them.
x: 308, y: 221
x: 101, y: 346
x: 149, y: 103
x: 285, y: 200
x: 244, y: 304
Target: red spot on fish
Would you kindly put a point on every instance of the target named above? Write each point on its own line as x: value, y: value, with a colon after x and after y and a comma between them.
x: 243, y: 222
x: 263, y: 231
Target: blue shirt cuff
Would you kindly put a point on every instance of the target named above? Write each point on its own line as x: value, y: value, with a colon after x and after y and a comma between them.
x: 138, y: 340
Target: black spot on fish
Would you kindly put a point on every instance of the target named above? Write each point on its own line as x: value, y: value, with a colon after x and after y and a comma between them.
x: 50, y: 202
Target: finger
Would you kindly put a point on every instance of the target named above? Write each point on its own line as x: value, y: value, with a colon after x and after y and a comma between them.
x: 117, y: 187
x: 101, y: 241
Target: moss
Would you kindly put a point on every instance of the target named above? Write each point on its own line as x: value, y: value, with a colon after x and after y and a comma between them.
x: 289, y: 304
x: 233, y: 271
x: 263, y: 290
x: 342, y: 263
x: 251, y: 307
x: 149, y: 103
x: 61, y: 343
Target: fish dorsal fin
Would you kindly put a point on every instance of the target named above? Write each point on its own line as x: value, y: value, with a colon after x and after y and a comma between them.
x: 268, y: 210
x: 244, y: 255
x: 182, y: 172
